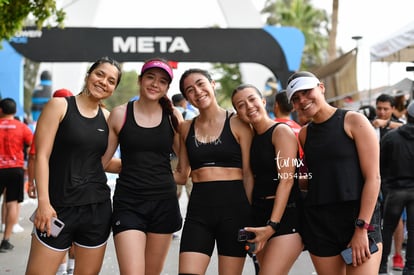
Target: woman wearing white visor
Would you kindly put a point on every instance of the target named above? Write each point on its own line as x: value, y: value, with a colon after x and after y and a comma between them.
x: 342, y: 154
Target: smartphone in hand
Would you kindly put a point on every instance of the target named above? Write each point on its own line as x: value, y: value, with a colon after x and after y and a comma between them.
x: 56, y: 225
x: 244, y: 235
x: 347, y: 253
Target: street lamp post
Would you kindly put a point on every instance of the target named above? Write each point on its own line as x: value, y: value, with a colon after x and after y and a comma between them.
x: 357, y: 38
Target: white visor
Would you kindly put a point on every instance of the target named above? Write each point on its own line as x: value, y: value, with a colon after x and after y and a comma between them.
x: 300, y: 84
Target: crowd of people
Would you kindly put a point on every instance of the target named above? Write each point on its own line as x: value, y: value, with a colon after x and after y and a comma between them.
x: 337, y: 183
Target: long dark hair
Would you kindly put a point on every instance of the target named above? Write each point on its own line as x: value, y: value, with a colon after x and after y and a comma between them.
x: 167, y: 107
x: 192, y: 71
x: 95, y: 65
x: 109, y: 60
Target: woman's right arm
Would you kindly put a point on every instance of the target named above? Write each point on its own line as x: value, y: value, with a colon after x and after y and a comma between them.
x: 46, y: 129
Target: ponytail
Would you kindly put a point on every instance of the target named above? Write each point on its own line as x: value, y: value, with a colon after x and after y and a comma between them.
x: 167, y: 106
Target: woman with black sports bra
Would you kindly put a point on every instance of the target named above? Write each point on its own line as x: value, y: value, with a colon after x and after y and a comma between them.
x: 276, y: 196
x: 214, y: 147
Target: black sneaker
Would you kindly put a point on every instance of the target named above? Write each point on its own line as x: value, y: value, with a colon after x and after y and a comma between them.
x: 5, y: 246
x: 407, y: 271
x: 383, y: 269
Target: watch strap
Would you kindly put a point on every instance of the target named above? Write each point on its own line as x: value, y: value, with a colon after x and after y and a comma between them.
x: 362, y: 224
x: 274, y: 225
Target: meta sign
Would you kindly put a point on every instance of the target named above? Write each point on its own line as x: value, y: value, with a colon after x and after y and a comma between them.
x: 277, y: 48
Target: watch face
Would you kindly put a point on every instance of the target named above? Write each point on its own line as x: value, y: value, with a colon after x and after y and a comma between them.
x: 360, y: 223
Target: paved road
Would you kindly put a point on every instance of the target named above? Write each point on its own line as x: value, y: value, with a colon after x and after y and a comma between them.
x: 14, y: 263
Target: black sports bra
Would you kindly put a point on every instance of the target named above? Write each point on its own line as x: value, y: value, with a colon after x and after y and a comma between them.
x: 223, y: 152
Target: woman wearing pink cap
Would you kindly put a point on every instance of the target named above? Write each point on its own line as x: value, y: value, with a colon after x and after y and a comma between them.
x: 341, y: 211
x: 145, y: 206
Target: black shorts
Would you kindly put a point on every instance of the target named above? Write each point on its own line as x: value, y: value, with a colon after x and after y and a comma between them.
x: 12, y: 179
x: 87, y: 226
x: 216, y: 211
x: 290, y: 222
x: 328, y: 229
x: 153, y: 216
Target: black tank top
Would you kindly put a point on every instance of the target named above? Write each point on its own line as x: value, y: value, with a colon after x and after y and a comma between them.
x: 225, y: 151
x: 332, y: 159
x: 76, y: 175
x: 145, y: 152
x: 264, y: 167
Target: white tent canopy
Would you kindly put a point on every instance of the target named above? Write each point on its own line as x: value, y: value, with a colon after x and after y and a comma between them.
x: 398, y: 47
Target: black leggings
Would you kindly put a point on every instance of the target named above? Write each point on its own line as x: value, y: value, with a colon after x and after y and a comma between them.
x: 394, y: 204
x: 215, y: 213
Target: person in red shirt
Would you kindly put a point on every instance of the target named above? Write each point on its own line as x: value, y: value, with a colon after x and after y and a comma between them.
x: 282, y: 110
x: 14, y: 135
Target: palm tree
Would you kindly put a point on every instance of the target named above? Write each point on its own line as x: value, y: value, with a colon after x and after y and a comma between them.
x: 332, y: 52
x: 311, y: 21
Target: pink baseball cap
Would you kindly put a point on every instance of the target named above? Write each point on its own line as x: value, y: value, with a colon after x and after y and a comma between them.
x: 157, y: 63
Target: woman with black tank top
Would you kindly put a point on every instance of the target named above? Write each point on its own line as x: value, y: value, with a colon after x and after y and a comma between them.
x: 276, y: 197
x: 215, y: 149
x: 145, y: 206
x: 71, y: 138
x: 342, y: 154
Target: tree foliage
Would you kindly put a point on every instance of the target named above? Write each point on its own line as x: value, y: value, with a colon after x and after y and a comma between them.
x: 311, y: 21
x: 126, y: 89
x: 227, y: 77
x: 31, y: 69
x: 15, y: 13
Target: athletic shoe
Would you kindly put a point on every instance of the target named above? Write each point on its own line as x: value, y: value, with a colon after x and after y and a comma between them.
x: 5, y: 246
x: 70, y: 271
x: 17, y: 228
x: 407, y: 271
x: 397, y: 262
x: 383, y: 269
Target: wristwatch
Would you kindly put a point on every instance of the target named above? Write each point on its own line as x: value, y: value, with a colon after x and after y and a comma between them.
x: 363, y: 225
x: 274, y: 225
